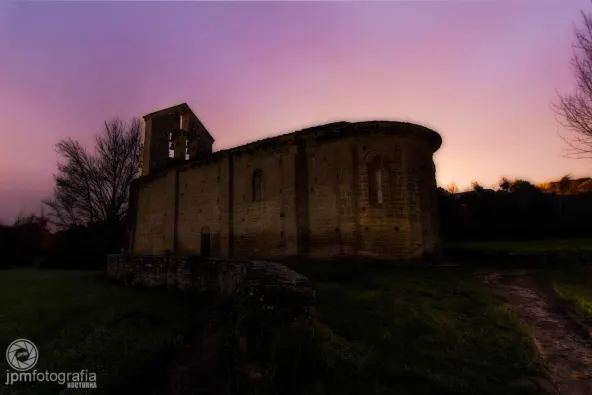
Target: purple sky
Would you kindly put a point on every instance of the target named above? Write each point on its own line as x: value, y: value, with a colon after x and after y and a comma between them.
x: 482, y: 74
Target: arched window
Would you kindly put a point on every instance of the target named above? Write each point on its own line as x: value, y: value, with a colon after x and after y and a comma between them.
x: 257, y: 185
x: 378, y: 181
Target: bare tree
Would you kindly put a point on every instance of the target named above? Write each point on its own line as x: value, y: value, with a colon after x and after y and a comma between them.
x: 452, y: 188
x: 93, y: 187
x: 25, y: 219
x: 575, y: 110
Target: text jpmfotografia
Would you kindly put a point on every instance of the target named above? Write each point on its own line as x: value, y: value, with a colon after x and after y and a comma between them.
x: 22, y: 355
x: 82, y: 379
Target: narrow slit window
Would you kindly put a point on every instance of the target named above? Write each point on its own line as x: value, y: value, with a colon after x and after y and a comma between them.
x: 378, y: 181
x: 257, y: 185
x: 379, y: 186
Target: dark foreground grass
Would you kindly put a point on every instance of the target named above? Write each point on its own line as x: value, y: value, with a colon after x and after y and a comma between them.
x: 79, y: 321
x: 523, y: 246
x: 397, y: 331
x: 422, y: 330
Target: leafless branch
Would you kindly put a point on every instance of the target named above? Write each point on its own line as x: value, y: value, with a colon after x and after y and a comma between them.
x: 94, y: 187
x: 574, y: 111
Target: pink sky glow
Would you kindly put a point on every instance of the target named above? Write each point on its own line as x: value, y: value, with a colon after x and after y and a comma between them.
x: 482, y: 74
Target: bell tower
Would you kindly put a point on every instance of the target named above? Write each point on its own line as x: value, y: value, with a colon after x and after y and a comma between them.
x: 175, y: 129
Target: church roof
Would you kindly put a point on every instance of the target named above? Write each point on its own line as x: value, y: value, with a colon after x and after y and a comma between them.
x: 183, y: 107
x: 169, y: 110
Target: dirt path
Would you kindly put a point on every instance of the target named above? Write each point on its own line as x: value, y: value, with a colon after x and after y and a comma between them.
x: 564, y: 345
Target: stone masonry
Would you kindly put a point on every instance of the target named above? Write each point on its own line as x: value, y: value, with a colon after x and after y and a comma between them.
x: 341, y: 189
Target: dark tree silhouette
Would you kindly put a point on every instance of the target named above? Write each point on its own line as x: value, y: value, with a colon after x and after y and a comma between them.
x: 475, y: 186
x: 564, y: 185
x: 523, y: 186
x: 575, y: 110
x: 93, y: 187
x: 505, y: 184
x: 442, y: 192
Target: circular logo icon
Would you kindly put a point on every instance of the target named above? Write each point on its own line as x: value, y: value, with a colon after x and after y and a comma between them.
x: 22, y: 355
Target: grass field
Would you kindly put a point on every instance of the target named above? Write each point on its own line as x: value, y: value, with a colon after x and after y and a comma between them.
x: 397, y: 331
x: 416, y: 331
x: 78, y: 322
x: 524, y: 246
x: 574, y: 284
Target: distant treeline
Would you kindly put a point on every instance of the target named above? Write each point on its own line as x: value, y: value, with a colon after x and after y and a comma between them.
x: 28, y: 242
x: 518, y: 210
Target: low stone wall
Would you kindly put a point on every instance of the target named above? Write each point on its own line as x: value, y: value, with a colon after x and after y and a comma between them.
x: 262, y: 316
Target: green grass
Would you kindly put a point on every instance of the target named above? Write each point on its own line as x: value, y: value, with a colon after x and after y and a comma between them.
x: 79, y: 322
x: 403, y: 331
x: 524, y: 246
x: 574, y: 284
x: 425, y: 330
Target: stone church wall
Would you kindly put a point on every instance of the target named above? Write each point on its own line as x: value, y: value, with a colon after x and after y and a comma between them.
x: 318, y: 197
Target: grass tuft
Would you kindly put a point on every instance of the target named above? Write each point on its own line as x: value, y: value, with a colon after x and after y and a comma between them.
x: 575, y: 285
